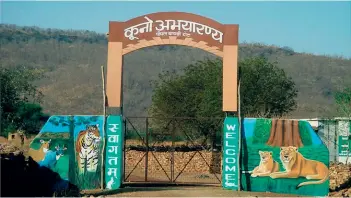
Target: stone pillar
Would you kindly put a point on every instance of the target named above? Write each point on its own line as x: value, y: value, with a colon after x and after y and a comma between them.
x: 114, y: 65
x: 230, y: 68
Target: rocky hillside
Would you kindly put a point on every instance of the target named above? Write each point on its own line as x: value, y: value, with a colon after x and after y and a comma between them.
x: 72, y: 60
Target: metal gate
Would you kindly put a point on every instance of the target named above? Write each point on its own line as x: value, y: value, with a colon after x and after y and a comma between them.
x: 172, y: 150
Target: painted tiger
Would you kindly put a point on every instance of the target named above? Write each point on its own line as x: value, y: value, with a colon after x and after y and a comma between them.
x: 87, y: 148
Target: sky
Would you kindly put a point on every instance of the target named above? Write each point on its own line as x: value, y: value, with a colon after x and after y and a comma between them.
x: 321, y: 28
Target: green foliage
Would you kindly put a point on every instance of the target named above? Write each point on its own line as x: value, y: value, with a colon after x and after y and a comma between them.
x: 26, y: 116
x: 29, y: 115
x: 195, y: 94
x: 304, y: 128
x: 68, y: 121
x: 262, y: 131
x: 132, y: 135
x: 343, y: 102
x: 19, y: 100
x: 266, y: 90
x: 85, y: 121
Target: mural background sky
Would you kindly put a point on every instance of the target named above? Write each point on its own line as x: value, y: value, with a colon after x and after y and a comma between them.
x: 312, y: 27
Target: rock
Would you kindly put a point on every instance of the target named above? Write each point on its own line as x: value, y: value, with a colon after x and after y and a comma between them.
x: 6, y: 148
x: 340, y: 183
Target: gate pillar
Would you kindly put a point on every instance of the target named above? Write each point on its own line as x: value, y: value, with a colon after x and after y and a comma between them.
x: 230, y: 158
x: 114, y: 152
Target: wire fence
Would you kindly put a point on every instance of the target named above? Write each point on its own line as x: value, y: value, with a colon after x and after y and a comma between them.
x: 335, y: 133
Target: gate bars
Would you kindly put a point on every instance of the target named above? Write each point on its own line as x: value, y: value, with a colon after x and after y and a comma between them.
x: 175, y: 143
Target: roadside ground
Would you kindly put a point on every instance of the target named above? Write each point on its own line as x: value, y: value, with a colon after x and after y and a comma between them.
x: 181, y: 191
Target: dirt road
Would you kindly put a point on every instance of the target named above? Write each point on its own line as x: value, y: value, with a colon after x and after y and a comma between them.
x: 206, y: 191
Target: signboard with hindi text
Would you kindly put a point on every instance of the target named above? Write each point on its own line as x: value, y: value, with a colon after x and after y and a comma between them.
x: 114, y: 152
x: 344, y: 141
x: 172, y: 28
x: 230, y: 165
x: 173, y: 24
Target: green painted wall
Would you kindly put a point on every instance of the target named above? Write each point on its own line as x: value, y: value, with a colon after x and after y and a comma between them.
x: 255, y: 136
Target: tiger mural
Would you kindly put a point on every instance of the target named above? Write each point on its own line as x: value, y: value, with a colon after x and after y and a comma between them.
x: 87, y: 148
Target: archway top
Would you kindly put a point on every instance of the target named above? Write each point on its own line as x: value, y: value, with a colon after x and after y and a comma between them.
x: 180, y: 28
x: 186, y: 15
x: 167, y: 28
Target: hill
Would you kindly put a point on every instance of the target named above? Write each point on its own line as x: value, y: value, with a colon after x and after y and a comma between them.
x: 72, y: 59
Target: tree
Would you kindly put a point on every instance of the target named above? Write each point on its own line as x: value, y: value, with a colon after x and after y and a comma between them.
x: 30, y: 117
x: 195, y: 94
x: 19, y: 100
x: 266, y: 91
x: 343, y: 102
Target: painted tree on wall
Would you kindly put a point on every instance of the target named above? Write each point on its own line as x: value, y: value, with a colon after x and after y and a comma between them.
x: 284, y: 133
x: 68, y: 121
x: 71, y: 122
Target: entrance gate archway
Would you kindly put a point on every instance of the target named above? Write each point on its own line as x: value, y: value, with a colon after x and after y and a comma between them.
x: 173, y: 28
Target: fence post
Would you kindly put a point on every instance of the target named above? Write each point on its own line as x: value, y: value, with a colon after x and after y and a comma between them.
x: 240, y: 140
x: 103, y: 153
x: 328, y: 137
x: 336, y: 153
x: 172, y: 155
x: 147, y: 147
x: 124, y: 147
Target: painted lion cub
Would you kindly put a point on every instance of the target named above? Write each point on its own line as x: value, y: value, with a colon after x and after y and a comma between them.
x: 267, y: 165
